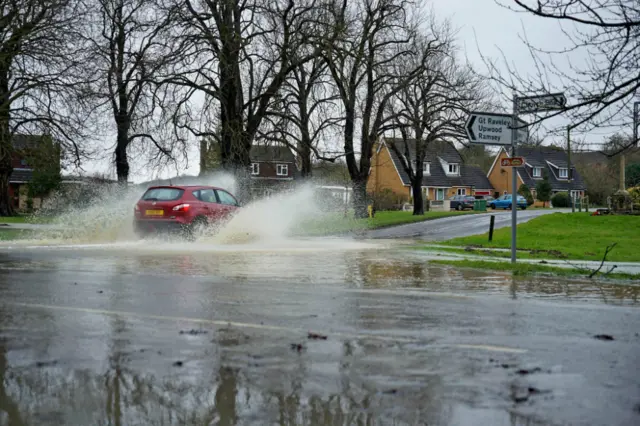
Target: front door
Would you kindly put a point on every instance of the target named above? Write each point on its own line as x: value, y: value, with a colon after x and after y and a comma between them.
x: 440, y: 194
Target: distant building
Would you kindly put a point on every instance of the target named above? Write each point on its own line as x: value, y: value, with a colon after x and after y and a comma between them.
x: 444, y: 172
x: 30, y: 152
x: 539, y: 161
x: 273, y: 169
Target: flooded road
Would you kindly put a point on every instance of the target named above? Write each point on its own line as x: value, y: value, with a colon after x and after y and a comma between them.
x: 305, y: 332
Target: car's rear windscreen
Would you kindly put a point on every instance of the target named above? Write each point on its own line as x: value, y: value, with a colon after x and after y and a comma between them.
x: 163, y: 194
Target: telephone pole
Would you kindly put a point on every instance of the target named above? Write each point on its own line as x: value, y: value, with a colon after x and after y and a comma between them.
x: 569, y: 174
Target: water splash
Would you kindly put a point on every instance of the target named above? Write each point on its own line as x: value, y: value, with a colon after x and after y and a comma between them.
x: 267, y: 219
x: 103, y: 214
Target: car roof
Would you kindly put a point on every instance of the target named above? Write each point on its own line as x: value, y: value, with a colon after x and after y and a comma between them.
x: 185, y: 187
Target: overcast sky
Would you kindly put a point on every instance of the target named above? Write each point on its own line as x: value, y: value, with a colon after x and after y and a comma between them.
x: 483, y: 27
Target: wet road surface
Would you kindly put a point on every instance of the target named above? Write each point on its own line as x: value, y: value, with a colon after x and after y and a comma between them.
x: 457, y: 226
x: 164, y: 334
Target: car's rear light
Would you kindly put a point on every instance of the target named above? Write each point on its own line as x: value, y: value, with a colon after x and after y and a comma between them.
x: 136, y: 208
x: 181, y: 208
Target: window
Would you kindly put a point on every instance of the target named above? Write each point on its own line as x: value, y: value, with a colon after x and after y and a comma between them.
x: 23, y: 162
x: 462, y: 191
x: 453, y: 169
x: 207, y: 195
x: 426, y: 168
x: 537, y: 172
x: 282, y: 170
x: 564, y: 173
x: 162, y: 194
x: 226, y: 198
x: 255, y: 168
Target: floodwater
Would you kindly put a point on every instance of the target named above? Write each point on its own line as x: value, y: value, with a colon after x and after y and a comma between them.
x: 262, y: 328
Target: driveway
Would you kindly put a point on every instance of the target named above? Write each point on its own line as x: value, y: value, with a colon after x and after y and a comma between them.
x: 458, y: 226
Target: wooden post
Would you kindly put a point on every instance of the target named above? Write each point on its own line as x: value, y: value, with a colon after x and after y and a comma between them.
x: 492, y: 222
x: 622, y: 176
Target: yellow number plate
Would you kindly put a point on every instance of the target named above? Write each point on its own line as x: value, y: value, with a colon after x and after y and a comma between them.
x: 154, y: 212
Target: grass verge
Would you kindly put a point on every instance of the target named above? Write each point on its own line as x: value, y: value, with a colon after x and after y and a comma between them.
x: 14, y: 234
x: 337, y: 223
x: 25, y: 219
x: 528, y: 269
x: 576, y: 236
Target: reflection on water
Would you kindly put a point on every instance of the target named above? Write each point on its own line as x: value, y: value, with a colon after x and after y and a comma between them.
x: 229, y: 395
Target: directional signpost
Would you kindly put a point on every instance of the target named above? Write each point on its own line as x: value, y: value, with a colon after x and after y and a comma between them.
x: 488, y: 128
x: 531, y: 104
x: 527, y: 105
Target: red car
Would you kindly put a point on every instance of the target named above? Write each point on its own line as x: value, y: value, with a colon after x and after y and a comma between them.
x: 182, y: 208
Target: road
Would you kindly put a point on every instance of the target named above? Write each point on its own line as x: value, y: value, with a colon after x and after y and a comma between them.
x: 457, y: 226
x: 173, y: 333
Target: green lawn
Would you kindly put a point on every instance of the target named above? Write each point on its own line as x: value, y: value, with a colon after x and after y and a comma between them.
x: 566, y: 236
x: 526, y: 269
x: 337, y: 223
x: 25, y: 219
x: 14, y: 234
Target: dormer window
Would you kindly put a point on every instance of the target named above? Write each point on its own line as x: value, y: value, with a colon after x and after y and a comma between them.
x: 537, y: 172
x: 426, y: 168
x: 563, y: 173
x: 454, y: 169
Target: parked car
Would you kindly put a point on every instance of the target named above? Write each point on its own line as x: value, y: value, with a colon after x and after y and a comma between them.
x: 488, y: 198
x: 182, y: 208
x: 461, y: 202
x: 504, y: 202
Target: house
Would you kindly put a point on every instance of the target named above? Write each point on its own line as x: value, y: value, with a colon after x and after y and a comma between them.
x: 30, y: 152
x: 539, y: 161
x: 445, y: 174
x: 273, y: 169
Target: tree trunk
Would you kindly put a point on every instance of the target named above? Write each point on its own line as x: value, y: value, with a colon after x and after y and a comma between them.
x: 122, y: 162
x: 418, y: 203
x: 305, y: 159
x: 360, y: 197
x: 6, y: 146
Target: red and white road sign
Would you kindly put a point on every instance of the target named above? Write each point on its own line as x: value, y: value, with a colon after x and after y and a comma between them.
x: 512, y: 162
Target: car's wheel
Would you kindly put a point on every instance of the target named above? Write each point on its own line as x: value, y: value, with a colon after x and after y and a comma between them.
x: 493, y: 206
x: 459, y: 207
x: 523, y: 207
x: 508, y: 207
x: 195, y: 227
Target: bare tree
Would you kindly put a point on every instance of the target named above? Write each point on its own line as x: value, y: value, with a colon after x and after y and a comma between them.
x: 433, y: 106
x: 237, y: 55
x: 376, y: 34
x: 304, y: 111
x: 38, y: 70
x: 602, y: 84
x: 128, y: 48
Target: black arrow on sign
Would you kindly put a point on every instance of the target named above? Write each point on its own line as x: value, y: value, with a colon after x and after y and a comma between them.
x: 470, y: 125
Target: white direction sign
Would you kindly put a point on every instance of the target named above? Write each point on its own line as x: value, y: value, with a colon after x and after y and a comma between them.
x: 542, y: 103
x: 487, y: 128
